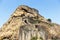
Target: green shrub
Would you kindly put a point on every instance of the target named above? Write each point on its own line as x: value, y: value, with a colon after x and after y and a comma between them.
x: 41, y: 38
x: 34, y: 38
x: 49, y: 20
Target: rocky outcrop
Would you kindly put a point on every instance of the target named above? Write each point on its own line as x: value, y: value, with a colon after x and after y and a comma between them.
x: 27, y: 24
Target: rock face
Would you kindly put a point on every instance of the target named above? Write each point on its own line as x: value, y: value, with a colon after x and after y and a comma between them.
x: 26, y: 24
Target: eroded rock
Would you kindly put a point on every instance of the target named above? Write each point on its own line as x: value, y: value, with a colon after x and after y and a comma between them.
x: 27, y: 24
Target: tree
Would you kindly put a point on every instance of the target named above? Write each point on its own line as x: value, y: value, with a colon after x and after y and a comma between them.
x: 49, y: 20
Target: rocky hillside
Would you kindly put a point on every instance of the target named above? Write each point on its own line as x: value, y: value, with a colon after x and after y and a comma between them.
x: 27, y: 24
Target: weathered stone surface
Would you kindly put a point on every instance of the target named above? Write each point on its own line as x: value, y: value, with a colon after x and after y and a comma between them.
x: 27, y: 24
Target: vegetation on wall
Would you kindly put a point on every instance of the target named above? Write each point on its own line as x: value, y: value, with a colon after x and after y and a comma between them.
x: 35, y: 38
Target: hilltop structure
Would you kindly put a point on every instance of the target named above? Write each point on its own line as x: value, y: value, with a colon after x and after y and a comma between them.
x: 27, y: 24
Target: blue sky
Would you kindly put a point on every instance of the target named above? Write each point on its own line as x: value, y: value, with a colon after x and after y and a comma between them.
x: 47, y: 8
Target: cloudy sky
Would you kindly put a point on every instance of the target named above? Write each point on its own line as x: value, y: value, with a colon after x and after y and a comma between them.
x: 47, y: 8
